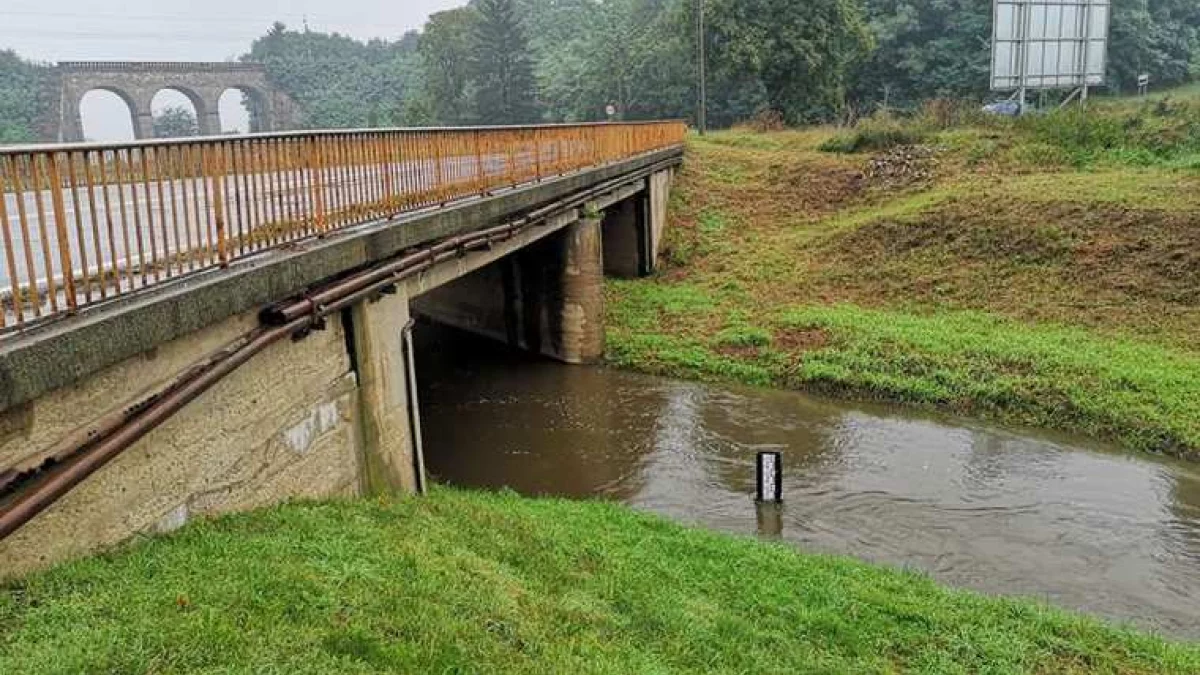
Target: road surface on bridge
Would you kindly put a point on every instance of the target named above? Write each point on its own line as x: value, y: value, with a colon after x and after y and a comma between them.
x: 193, y: 200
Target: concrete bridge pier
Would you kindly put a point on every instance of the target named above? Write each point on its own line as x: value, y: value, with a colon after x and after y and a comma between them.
x: 143, y: 128
x: 375, y: 334
x: 210, y: 122
x: 562, y: 306
x: 581, y: 317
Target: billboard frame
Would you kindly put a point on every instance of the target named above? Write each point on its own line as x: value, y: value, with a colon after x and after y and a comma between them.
x: 1037, y: 46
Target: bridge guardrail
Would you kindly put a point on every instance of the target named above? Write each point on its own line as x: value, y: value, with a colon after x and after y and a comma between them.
x: 83, y: 223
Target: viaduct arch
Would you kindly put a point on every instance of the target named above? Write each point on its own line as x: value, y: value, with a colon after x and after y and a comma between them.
x: 137, y: 83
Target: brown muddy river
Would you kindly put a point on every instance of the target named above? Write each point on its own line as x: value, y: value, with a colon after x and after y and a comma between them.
x: 1067, y: 520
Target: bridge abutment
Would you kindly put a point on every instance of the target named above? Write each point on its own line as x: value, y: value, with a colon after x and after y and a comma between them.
x: 581, y: 316
x: 283, y: 426
x: 376, y: 342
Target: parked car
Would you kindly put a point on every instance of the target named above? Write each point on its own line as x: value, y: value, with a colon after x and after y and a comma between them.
x: 1009, y: 108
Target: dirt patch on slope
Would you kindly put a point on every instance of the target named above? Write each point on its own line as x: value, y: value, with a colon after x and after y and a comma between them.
x: 796, y: 340
x: 1091, y: 263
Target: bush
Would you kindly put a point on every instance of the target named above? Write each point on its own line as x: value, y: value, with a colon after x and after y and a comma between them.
x: 1147, y: 135
x: 766, y: 120
x: 948, y: 113
x: 881, y: 132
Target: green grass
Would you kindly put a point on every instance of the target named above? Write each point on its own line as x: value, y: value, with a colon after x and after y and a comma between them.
x: 494, y: 583
x: 875, y: 134
x: 1139, y: 393
x: 1026, y: 290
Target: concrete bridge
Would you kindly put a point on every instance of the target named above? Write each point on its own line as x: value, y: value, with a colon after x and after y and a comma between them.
x: 271, y: 358
x: 137, y: 82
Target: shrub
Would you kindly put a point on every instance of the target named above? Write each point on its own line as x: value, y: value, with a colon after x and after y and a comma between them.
x: 948, y: 113
x: 766, y: 120
x: 881, y: 132
x: 1143, y: 136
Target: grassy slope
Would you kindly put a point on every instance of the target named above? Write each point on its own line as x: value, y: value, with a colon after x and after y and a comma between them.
x: 1003, y: 284
x: 463, y: 582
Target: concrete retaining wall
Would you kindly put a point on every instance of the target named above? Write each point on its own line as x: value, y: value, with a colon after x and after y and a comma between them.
x: 282, y: 426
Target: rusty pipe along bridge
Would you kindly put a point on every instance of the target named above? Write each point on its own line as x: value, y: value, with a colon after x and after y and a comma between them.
x: 147, y: 291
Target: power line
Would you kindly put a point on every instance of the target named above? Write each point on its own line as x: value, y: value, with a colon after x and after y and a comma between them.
x: 303, y: 18
x: 126, y: 36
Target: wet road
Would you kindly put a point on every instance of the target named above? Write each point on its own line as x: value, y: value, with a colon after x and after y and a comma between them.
x: 141, y: 222
x: 1066, y: 520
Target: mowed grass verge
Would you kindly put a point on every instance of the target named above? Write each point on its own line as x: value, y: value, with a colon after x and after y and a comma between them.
x: 963, y: 279
x: 479, y: 582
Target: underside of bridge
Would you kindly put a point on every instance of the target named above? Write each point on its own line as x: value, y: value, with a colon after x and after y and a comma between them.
x: 333, y: 412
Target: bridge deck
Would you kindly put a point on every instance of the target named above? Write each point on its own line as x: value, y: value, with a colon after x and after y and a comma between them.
x: 84, y: 224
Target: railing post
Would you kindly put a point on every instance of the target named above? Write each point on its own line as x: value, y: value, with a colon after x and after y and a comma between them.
x: 60, y: 228
x: 384, y: 158
x: 316, y: 180
x: 440, y: 189
x: 216, y: 177
x: 537, y: 150
x: 480, y: 175
x: 9, y: 254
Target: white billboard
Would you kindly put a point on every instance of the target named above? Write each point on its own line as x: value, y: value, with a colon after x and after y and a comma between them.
x: 1049, y: 44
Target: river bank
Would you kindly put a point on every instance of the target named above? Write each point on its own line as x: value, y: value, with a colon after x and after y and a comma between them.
x: 1080, y: 524
x: 484, y: 582
x: 980, y: 271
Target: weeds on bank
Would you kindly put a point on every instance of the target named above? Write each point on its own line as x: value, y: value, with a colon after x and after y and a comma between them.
x: 1007, y: 284
x: 1162, y: 132
x: 962, y: 361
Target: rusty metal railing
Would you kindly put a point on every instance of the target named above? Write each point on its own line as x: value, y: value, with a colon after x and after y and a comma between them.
x: 80, y: 224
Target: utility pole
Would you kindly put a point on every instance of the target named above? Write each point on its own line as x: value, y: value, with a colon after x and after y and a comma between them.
x: 702, y: 112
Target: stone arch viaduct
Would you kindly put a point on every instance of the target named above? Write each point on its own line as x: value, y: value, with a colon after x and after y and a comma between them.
x: 138, y: 82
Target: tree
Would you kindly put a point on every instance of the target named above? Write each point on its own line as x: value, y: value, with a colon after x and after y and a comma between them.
x: 925, y: 49
x: 445, y: 54
x: 339, y: 82
x: 1157, y: 37
x: 175, y: 122
x: 505, y: 91
x: 801, y: 53
x: 629, y: 53
x: 25, y: 90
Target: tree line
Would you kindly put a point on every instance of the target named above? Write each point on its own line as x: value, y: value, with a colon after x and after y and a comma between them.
x: 523, y: 61
x: 518, y: 61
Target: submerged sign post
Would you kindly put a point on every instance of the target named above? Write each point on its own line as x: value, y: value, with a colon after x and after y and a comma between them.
x: 1049, y: 44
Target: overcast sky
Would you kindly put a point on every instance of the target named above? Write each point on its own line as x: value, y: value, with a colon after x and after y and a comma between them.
x: 184, y: 30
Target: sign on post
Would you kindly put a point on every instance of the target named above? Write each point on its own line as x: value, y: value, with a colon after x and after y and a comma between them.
x: 1049, y: 44
x: 769, y: 476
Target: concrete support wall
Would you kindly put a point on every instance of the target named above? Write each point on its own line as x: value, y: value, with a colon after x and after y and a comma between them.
x: 628, y: 238
x: 324, y: 416
x: 548, y: 297
x: 660, y: 197
x: 377, y: 331
x: 285, y: 425
x: 624, y: 237
x: 581, y: 318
